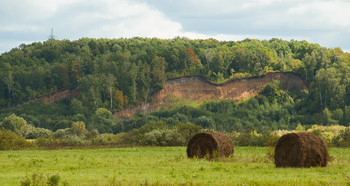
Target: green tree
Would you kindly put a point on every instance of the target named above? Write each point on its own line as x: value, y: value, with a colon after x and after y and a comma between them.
x: 14, y: 123
x: 338, y: 115
x: 346, y: 118
x: 158, y: 66
x: 252, y: 57
x: 102, y: 120
x: 77, y: 107
x: 327, y: 117
x: 192, y: 63
x: 330, y: 90
x: 6, y: 76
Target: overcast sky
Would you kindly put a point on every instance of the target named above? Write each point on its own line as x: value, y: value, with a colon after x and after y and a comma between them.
x: 326, y: 22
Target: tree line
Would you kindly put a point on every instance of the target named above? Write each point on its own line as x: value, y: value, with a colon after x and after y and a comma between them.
x: 112, y: 74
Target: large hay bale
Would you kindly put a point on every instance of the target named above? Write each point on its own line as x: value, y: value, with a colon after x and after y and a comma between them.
x: 301, y: 150
x: 209, y: 145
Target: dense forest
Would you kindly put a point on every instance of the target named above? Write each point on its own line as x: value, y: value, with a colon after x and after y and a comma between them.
x: 113, y: 74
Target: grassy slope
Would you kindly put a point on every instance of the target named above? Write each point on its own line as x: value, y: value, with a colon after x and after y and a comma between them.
x: 165, y: 165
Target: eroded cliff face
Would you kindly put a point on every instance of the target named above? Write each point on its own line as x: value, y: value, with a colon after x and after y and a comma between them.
x: 195, y: 88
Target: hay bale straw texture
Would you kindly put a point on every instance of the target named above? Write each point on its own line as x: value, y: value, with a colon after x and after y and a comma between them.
x: 301, y: 150
x: 210, y: 145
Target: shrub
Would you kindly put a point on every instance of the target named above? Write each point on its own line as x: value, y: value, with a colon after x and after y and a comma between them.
x: 328, y: 133
x: 92, y: 134
x: 41, y: 179
x: 75, y: 141
x: 205, y: 122
x: 39, y: 133
x: 343, y: 139
x: 26, y: 130
x: 111, y: 138
x: 13, y: 123
x: 252, y: 139
x: 163, y: 137
x: 99, y: 140
x: 188, y: 130
x: 53, y: 180
x: 244, y: 139
x: 48, y: 143
x: 62, y: 133
x: 78, y: 128
x: 10, y: 141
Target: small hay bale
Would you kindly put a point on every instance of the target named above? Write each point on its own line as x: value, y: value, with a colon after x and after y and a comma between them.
x: 209, y: 145
x: 301, y: 150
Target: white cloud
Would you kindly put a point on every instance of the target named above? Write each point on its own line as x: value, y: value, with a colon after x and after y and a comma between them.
x: 19, y: 27
x: 322, y: 14
x: 26, y: 10
x: 124, y: 19
x: 321, y: 21
x: 82, y: 18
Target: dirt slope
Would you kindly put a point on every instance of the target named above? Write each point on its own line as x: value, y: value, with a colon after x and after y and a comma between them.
x: 195, y: 88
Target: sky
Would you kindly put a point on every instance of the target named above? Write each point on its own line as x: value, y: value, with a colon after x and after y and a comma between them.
x: 326, y: 22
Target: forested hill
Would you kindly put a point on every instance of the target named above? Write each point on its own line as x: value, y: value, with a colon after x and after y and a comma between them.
x: 117, y: 73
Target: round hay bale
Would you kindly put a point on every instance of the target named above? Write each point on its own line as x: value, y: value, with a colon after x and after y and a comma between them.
x: 209, y: 145
x: 301, y: 150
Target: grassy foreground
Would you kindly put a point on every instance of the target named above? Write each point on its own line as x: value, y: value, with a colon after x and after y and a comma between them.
x: 165, y: 165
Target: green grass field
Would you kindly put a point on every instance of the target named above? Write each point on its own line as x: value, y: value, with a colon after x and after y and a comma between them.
x: 166, y: 165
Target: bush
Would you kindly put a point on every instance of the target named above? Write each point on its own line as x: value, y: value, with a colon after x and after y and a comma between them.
x: 75, y: 141
x: 53, y: 180
x: 62, y: 133
x: 205, y: 122
x: 48, y: 143
x: 92, y: 134
x: 111, y: 138
x: 164, y: 137
x: 343, y: 139
x: 328, y: 133
x: 244, y: 139
x: 78, y: 128
x: 10, y: 141
x: 41, y: 179
x: 14, y: 124
x: 99, y: 140
x: 188, y: 130
x: 39, y: 133
x: 251, y: 139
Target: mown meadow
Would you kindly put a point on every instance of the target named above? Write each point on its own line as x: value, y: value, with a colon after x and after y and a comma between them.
x: 162, y: 166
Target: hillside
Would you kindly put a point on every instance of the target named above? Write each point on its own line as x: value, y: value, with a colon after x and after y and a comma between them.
x: 195, y: 88
x: 39, y: 81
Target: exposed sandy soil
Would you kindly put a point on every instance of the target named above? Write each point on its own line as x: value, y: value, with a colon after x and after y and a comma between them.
x: 195, y: 88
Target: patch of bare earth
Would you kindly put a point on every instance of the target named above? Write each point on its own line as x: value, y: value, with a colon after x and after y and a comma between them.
x: 195, y: 88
